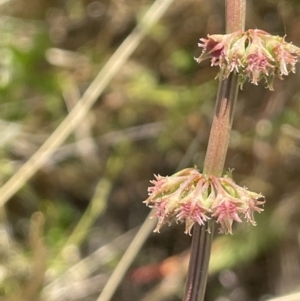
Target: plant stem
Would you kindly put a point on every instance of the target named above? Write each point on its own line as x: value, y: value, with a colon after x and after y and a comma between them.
x: 221, y: 126
x: 214, y: 161
x: 235, y: 15
x: 198, y: 266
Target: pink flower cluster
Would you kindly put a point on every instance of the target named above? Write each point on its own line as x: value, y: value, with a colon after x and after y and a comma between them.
x: 192, y: 197
x: 253, y: 54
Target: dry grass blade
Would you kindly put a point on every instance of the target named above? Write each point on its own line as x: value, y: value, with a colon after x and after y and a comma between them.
x: 87, y: 151
x: 85, y: 103
x: 127, y: 259
x: 28, y: 290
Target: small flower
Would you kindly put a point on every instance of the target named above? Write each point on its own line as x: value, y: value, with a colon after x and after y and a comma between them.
x: 259, y: 63
x: 236, y: 56
x: 191, y: 197
x: 193, y: 208
x: 226, y: 212
x: 253, y: 54
x: 251, y: 200
x: 192, y: 213
x: 217, y: 48
x: 227, y: 206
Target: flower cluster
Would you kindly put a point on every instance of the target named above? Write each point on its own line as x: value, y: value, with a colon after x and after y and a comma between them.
x: 253, y: 54
x: 193, y: 197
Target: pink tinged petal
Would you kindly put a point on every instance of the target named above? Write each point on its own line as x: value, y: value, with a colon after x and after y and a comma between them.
x: 163, y: 186
x: 285, y: 59
x: 226, y: 213
x: 192, y: 213
x: 160, y: 214
x: 286, y: 55
x: 235, y: 64
x: 250, y: 200
x: 158, y: 184
x: 252, y: 207
x: 213, y: 45
x: 212, y: 48
x: 163, y: 214
x: 215, y: 49
x: 258, y: 65
x: 236, y: 54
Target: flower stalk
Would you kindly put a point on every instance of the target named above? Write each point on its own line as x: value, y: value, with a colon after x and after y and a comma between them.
x: 219, y: 137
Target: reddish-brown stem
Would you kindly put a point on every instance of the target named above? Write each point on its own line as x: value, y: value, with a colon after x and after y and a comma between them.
x: 214, y: 161
x: 221, y: 126
x: 235, y: 15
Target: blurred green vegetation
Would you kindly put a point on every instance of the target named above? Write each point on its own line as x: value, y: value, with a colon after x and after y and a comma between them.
x: 63, y: 233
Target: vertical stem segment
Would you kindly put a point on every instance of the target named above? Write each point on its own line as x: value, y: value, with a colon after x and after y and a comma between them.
x: 198, y: 266
x: 221, y: 126
x: 235, y: 15
x: 215, y: 159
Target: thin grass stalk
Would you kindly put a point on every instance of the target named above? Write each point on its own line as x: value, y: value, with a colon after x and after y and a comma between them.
x: 126, y: 260
x: 214, y: 161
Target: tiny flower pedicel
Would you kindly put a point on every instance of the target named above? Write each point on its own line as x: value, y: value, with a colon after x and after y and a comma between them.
x: 254, y: 55
x: 192, y: 197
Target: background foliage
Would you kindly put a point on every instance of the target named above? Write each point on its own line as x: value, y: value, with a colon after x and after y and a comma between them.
x: 154, y: 117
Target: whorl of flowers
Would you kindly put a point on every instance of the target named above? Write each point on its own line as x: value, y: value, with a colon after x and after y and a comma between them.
x: 192, y: 197
x: 253, y: 54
